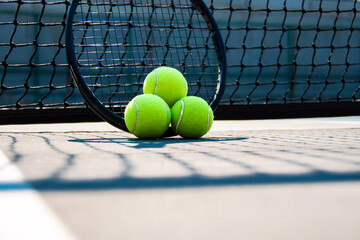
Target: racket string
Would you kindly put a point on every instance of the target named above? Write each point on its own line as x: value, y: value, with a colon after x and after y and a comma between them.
x: 118, y: 44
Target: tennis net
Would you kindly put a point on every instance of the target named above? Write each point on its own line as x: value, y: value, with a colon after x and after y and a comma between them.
x: 290, y: 54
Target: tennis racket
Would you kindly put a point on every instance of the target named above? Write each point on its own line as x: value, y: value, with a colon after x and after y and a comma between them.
x: 112, y: 45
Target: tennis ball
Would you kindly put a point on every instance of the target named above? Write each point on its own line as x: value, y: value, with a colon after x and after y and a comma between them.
x: 147, y: 116
x: 191, y: 117
x: 166, y: 82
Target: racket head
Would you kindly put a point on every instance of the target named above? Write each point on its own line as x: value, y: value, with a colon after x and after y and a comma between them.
x: 111, y: 46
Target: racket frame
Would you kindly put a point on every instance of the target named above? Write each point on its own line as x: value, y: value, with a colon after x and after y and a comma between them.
x: 107, y: 115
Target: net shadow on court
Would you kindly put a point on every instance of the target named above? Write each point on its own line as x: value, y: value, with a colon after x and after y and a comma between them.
x: 113, y: 160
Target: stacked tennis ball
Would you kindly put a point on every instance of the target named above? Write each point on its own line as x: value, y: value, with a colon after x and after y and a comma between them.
x: 148, y: 116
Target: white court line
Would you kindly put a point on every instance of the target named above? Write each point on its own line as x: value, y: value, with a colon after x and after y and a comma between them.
x: 23, y: 213
x: 288, y: 124
x: 234, y: 125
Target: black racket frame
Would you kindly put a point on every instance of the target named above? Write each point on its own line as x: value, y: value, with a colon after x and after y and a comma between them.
x: 109, y: 116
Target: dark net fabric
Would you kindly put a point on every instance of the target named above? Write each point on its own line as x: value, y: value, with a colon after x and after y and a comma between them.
x: 278, y: 52
x: 291, y: 51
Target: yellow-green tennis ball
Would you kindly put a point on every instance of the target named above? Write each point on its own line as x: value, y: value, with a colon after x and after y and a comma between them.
x: 191, y: 117
x: 147, y: 116
x: 166, y: 82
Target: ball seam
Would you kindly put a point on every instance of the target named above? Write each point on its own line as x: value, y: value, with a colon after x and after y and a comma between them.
x: 137, y: 117
x: 167, y: 116
x: 157, y: 82
x: 208, y: 120
x: 181, y: 114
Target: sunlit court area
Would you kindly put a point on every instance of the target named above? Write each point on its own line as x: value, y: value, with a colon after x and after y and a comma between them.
x: 261, y: 143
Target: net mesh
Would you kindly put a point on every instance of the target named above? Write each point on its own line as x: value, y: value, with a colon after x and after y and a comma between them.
x: 278, y: 52
x: 291, y: 51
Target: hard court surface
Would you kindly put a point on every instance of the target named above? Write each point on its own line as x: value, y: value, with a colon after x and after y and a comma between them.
x: 268, y: 179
